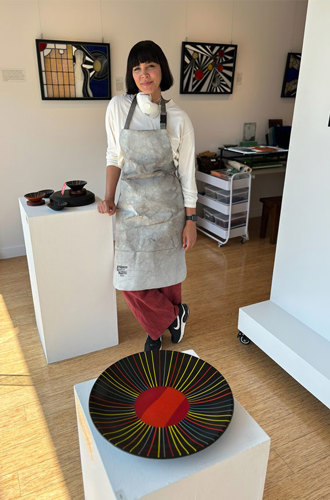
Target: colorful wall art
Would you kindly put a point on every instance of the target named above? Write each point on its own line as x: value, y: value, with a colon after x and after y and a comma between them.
x: 291, y: 73
x: 207, y: 68
x: 73, y: 70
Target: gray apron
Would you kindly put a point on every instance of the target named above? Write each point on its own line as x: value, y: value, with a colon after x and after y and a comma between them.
x: 150, y: 214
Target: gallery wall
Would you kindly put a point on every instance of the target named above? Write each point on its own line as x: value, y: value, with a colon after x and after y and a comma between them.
x: 44, y: 143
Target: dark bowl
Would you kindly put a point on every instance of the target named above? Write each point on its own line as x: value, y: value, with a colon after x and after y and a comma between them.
x: 35, y: 196
x: 48, y: 192
x: 57, y: 205
x: 76, y: 185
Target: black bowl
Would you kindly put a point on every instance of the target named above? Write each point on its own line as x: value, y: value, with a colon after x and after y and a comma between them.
x: 76, y: 185
x: 48, y: 192
x: 57, y: 205
x: 35, y: 197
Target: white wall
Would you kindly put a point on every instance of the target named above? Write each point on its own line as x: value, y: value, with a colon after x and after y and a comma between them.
x: 45, y: 143
x: 301, y: 276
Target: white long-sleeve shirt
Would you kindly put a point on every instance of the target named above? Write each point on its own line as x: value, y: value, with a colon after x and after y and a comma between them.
x: 181, y: 134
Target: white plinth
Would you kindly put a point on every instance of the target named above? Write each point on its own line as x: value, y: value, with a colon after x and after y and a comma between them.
x: 232, y: 467
x: 301, y: 351
x: 70, y: 259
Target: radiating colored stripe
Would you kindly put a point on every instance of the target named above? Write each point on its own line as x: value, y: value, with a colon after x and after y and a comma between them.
x: 169, y: 368
x: 158, y: 450
x: 147, y: 363
x: 137, y: 444
x: 168, y: 441
x: 145, y: 372
x: 152, y: 442
x: 140, y: 371
x: 129, y: 381
x: 204, y: 426
x: 178, y: 371
x: 178, y: 431
x: 174, y: 430
x: 153, y: 367
x: 121, y: 386
x: 207, y: 390
x: 183, y: 387
x: 183, y: 372
x: 176, y: 360
x: 173, y: 441
x: 200, y: 381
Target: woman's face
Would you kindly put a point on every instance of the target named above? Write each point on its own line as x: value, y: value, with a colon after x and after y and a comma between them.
x: 147, y: 77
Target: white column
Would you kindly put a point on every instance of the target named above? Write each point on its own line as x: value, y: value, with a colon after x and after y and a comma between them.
x: 300, y: 294
x: 70, y: 258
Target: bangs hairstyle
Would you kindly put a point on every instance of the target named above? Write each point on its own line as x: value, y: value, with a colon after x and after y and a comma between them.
x: 143, y: 52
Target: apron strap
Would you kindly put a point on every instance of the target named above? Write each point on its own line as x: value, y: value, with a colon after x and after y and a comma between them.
x: 130, y: 113
x: 163, y: 116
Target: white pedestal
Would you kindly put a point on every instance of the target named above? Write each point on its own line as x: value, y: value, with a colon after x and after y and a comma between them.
x: 301, y: 351
x: 232, y: 467
x: 70, y: 259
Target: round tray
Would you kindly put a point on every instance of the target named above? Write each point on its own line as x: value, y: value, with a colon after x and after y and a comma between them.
x: 163, y: 404
x: 75, y: 200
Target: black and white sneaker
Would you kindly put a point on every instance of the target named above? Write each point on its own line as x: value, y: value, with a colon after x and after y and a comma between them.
x: 153, y: 345
x: 179, y: 324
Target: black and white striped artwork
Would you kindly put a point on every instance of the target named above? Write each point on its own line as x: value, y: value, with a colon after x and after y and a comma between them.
x: 207, y: 68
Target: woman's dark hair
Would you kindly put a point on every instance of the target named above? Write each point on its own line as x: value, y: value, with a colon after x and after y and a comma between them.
x: 142, y: 52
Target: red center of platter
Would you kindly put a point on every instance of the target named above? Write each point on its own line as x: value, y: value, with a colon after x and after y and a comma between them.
x: 161, y: 406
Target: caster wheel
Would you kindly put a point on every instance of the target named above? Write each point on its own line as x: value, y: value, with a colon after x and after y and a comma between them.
x: 243, y: 240
x: 243, y: 338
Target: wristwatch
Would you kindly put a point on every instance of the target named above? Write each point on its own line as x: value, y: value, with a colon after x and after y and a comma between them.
x: 191, y: 217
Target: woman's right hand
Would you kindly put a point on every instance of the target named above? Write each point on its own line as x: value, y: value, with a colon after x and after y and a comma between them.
x: 107, y: 207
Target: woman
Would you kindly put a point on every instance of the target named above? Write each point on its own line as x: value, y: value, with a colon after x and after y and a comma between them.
x: 151, y: 144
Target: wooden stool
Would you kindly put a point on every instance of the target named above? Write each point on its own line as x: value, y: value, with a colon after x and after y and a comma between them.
x: 271, y: 209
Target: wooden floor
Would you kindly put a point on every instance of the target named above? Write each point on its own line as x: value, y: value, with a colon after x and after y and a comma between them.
x: 39, y: 455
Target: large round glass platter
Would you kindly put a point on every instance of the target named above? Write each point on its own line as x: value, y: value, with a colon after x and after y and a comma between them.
x: 164, y: 404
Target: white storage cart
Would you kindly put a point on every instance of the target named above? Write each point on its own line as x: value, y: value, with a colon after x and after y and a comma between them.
x: 223, y: 206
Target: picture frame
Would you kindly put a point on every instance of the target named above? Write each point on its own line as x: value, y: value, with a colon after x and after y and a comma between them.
x: 291, y: 74
x: 207, y: 68
x: 71, y: 70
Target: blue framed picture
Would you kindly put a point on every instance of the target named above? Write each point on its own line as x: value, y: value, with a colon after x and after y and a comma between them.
x: 291, y: 73
x: 73, y: 70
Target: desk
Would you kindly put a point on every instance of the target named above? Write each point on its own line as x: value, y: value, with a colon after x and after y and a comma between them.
x: 232, y: 467
x: 70, y: 259
x: 265, y: 182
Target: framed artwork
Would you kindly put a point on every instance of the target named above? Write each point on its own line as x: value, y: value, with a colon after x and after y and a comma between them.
x: 291, y: 73
x: 73, y: 70
x: 207, y: 68
x: 249, y: 131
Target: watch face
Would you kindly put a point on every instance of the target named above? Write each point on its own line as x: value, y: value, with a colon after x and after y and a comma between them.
x: 192, y: 217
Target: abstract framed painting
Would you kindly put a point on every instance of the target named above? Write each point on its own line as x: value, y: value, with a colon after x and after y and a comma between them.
x: 291, y: 73
x: 207, y: 68
x: 73, y: 70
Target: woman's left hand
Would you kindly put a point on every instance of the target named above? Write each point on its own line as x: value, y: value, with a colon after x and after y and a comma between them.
x: 189, y: 235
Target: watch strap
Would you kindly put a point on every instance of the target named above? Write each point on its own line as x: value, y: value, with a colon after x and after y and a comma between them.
x: 191, y: 217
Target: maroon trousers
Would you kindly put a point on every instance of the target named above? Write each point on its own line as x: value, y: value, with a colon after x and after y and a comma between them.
x: 155, y: 309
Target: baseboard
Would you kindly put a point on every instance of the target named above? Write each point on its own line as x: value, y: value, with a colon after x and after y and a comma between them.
x: 9, y: 252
